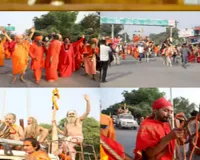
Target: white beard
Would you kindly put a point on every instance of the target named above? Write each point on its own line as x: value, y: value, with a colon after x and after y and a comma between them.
x: 71, y: 120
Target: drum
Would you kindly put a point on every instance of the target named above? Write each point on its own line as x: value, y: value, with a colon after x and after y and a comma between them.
x: 4, y: 130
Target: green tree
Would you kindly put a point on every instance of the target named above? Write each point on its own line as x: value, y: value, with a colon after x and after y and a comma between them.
x: 105, y: 29
x: 90, y: 25
x: 139, y: 102
x: 59, y: 22
x: 182, y: 104
x: 160, y: 37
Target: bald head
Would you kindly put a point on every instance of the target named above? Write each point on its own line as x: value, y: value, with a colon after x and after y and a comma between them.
x: 19, y: 38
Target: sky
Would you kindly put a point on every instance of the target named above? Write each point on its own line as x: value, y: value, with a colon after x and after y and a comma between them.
x: 110, y: 96
x: 23, y: 20
x: 40, y: 102
x: 185, y: 19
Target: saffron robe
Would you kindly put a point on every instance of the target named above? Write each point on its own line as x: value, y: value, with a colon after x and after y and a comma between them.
x: 52, y: 60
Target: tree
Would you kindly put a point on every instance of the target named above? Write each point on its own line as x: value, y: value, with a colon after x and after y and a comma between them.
x: 90, y: 25
x: 182, y: 104
x: 106, y: 29
x: 127, y: 37
x: 139, y: 102
x: 159, y: 38
x: 59, y: 22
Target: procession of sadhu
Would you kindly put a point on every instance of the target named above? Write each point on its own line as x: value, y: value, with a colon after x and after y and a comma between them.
x: 34, y: 137
x: 156, y: 139
x: 56, y: 54
x: 142, y: 47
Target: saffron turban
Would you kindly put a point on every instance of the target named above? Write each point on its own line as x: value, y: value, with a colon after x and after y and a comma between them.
x: 161, y: 103
x: 38, y: 37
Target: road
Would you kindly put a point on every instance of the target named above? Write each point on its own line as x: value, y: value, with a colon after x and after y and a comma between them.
x: 76, y: 80
x: 127, y: 138
x: 130, y: 73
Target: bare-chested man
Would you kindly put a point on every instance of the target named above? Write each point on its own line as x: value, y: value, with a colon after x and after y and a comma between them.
x: 33, y: 130
x: 73, y: 130
x: 17, y: 132
x: 123, y: 109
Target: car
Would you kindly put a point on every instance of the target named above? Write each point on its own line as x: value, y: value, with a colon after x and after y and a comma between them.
x: 126, y: 121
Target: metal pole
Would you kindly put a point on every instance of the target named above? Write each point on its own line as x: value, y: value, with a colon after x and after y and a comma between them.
x: 172, y: 125
x: 28, y: 104
x: 4, y: 104
x: 171, y: 99
x: 112, y: 31
x: 171, y: 33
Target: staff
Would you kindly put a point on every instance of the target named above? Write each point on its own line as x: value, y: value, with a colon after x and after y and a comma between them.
x: 55, y: 97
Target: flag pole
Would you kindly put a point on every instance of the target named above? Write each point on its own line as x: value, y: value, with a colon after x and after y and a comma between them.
x: 172, y: 123
x: 171, y: 99
x: 28, y: 104
x: 4, y: 104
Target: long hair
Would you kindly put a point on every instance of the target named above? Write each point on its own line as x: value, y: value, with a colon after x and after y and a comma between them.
x: 33, y: 129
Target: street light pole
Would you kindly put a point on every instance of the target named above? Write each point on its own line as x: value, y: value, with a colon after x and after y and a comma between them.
x: 8, y: 29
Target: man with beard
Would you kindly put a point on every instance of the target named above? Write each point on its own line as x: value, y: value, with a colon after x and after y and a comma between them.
x: 52, y: 59
x: 17, y: 132
x: 20, y: 54
x: 155, y: 139
x: 37, y: 50
x: 73, y: 130
x: 33, y: 130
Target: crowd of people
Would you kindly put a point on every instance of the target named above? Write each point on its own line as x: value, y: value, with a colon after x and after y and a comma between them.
x: 144, y: 48
x: 56, y: 54
x: 35, y: 137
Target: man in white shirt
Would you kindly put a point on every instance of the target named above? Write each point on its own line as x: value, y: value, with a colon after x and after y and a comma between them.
x: 104, y: 59
x: 140, y: 51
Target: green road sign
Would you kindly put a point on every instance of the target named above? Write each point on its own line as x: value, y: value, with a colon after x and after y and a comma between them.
x: 135, y: 21
x: 10, y: 28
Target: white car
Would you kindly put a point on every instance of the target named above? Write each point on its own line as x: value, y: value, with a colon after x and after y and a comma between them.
x: 126, y: 121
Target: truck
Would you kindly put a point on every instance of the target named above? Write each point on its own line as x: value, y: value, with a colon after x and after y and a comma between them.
x: 126, y: 120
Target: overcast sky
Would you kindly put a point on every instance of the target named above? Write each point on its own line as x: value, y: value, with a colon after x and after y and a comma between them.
x: 110, y: 96
x: 185, y: 19
x: 40, y: 102
x: 23, y: 20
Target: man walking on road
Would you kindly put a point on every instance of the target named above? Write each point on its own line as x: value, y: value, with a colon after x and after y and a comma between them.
x: 141, y: 51
x: 184, y: 53
x: 104, y: 59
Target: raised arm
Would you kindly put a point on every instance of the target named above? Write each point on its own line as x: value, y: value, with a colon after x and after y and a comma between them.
x: 84, y: 116
x: 44, y: 133
x: 32, y: 33
x: 79, y: 41
x: 5, y: 34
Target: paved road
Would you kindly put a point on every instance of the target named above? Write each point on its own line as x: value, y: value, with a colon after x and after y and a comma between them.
x: 127, y: 138
x: 77, y: 79
x: 130, y: 73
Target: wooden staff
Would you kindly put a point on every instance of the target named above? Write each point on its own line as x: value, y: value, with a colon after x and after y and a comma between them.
x: 55, y: 97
